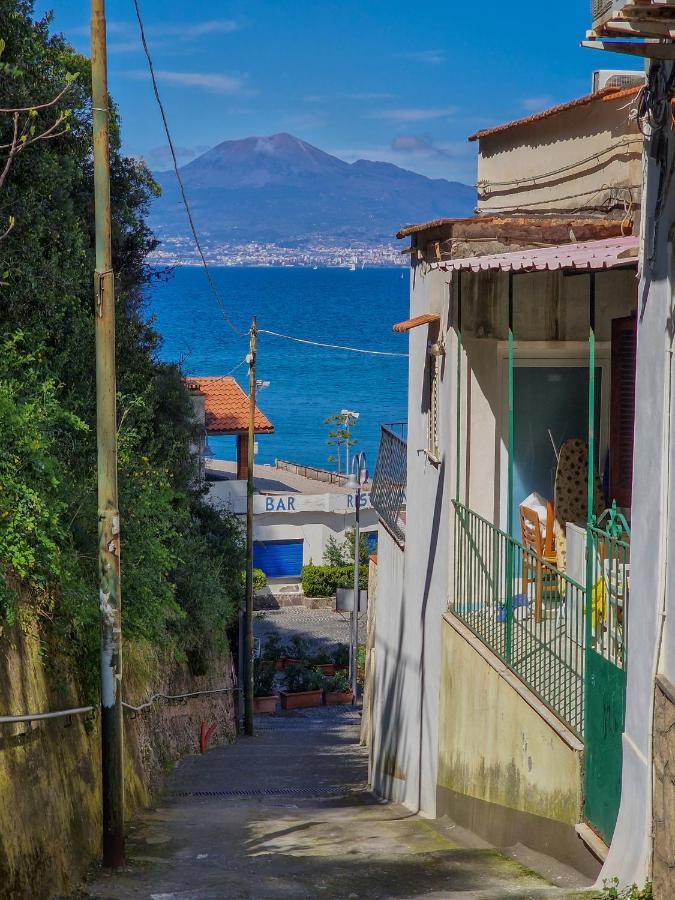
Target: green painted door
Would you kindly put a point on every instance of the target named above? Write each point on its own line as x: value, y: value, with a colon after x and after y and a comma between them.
x: 605, y: 704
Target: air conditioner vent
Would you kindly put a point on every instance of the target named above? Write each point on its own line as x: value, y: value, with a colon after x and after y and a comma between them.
x: 616, y: 78
x: 600, y: 7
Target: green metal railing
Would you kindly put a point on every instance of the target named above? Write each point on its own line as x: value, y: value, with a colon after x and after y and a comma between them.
x: 609, y: 564
x: 525, y: 610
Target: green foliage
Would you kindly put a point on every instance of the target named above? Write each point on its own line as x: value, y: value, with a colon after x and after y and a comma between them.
x: 297, y: 647
x: 323, y: 581
x: 302, y: 678
x: 340, y: 430
x: 181, y: 559
x: 259, y: 581
x: 341, y: 553
x: 341, y: 655
x: 273, y: 648
x: 263, y: 680
x: 321, y: 656
x: 338, y: 683
x: 612, y: 891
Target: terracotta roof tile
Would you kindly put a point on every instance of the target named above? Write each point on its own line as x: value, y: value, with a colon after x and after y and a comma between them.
x: 226, y: 406
x: 606, y: 94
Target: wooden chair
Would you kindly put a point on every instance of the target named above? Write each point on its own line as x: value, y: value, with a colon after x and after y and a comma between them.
x: 541, y: 550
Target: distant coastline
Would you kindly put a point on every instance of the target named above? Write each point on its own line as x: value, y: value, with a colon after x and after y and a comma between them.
x: 179, y: 251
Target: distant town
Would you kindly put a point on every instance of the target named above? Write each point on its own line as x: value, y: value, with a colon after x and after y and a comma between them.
x: 180, y: 251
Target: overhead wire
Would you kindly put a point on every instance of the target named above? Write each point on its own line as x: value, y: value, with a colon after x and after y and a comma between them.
x: 195, y: 236
x: 297, y: 340
x: 181, y: 186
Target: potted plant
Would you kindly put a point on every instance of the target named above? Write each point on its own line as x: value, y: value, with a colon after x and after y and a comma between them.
x: 341, y: 658
x: 337, y: 690
x: 303, y: 687
x: 323, y: 661
x: 264, y: 697
x: 273, y: 652
x: 298, y: 651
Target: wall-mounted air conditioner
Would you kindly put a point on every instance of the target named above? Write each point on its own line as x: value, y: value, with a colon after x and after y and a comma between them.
x: 616, y: 78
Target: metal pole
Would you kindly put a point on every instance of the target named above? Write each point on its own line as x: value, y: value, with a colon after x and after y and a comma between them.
x: 509, y: 501
x: 248, y: 661
x: 590, y: 544
x: 112, y: 749
x: 355, y: 611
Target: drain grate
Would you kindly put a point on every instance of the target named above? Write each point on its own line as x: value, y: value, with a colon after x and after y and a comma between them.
x: 307, y: 792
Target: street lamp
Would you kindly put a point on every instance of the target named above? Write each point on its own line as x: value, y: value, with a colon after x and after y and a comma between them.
x: 357, y: 477
x: 348, y: 414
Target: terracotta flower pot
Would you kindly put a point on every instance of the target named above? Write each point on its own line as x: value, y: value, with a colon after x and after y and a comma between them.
x: 300, y: 699
x: 341, y: 667
x: 265, y: 704
x: 333, y: 697
x: 327, y: 668
x: 287, y: 661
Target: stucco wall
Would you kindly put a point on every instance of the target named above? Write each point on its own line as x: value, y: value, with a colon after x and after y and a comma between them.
x: 583, y: 133
x: 507, y: 768
x: 50, y: 819
x: 494, y: 746
x: 631, y: 850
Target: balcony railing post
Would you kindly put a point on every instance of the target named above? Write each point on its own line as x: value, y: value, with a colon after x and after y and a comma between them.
x: 509, y: 503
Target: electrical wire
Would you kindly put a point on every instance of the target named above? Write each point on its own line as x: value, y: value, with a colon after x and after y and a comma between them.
x: 297, y: 340
x: 195, y: 236
x: 486, y: 186
x: 167, y: 132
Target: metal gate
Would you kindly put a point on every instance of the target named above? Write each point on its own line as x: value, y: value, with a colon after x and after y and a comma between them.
x: 608, y: 586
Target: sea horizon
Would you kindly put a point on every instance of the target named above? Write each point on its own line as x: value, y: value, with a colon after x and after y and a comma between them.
x: 328, y: 304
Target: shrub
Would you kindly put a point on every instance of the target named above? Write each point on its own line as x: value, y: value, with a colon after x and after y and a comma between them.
x: 341, y: 655
x: 321, y: 656
x: 338, y: 683
x: 323, y: 581
x: 263, y: 680
x: 259, y: 581
x: 274, y: 647
x: 298, y: 648
x: 302, y: 678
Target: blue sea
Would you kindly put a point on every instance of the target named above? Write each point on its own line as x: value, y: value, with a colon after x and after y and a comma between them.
x: 307, y: 384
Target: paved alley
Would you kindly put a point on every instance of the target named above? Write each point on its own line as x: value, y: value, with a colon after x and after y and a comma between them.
x: 286, y: 814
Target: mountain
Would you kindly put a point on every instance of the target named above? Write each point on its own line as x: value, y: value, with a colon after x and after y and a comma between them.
x: 282, y: 190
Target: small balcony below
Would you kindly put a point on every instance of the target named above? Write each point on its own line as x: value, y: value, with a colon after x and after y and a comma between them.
x: 388, y: 493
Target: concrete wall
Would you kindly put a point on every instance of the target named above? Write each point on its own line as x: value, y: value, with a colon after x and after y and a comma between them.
x: 651, y: 612
x: 507, y: 769
x: 414, y: 595
x: 580, y: 136
x: 50, y: 819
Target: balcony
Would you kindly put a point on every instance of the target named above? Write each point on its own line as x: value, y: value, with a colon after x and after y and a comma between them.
x: 388, y: 493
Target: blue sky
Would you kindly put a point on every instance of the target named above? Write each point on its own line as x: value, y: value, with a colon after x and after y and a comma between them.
x: 395, y: 81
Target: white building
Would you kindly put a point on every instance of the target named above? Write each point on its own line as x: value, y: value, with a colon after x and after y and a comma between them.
x: 294, y: 515
x: 498, y: 689
x: 296, y: 509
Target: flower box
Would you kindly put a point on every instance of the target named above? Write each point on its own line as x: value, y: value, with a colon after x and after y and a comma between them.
x: 300, y: 699
x: 265, y: 704
x: 330, y: 698
x: 326, y: 668
x: 287, y: 661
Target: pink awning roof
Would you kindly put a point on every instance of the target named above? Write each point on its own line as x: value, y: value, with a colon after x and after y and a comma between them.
x: 589, y: 256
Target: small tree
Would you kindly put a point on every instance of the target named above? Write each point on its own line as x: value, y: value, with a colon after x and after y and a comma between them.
x: 340, y: 435
x: 341, y: 553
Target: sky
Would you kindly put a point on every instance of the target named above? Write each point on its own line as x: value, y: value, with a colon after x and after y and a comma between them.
x: 395, y: 81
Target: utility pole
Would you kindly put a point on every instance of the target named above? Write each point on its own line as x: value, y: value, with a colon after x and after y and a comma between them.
x: 248, y: 662
x: 112, y: 750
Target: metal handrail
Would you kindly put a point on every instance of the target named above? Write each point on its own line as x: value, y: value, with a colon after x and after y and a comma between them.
x: 38, y: 717
x: 84, y: 710
x: 155, y: 697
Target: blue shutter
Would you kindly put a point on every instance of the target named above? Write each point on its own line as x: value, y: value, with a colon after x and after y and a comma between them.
x: 278, y: 559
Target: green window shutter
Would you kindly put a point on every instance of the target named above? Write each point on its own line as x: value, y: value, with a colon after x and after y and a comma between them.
x: 622, y: 416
